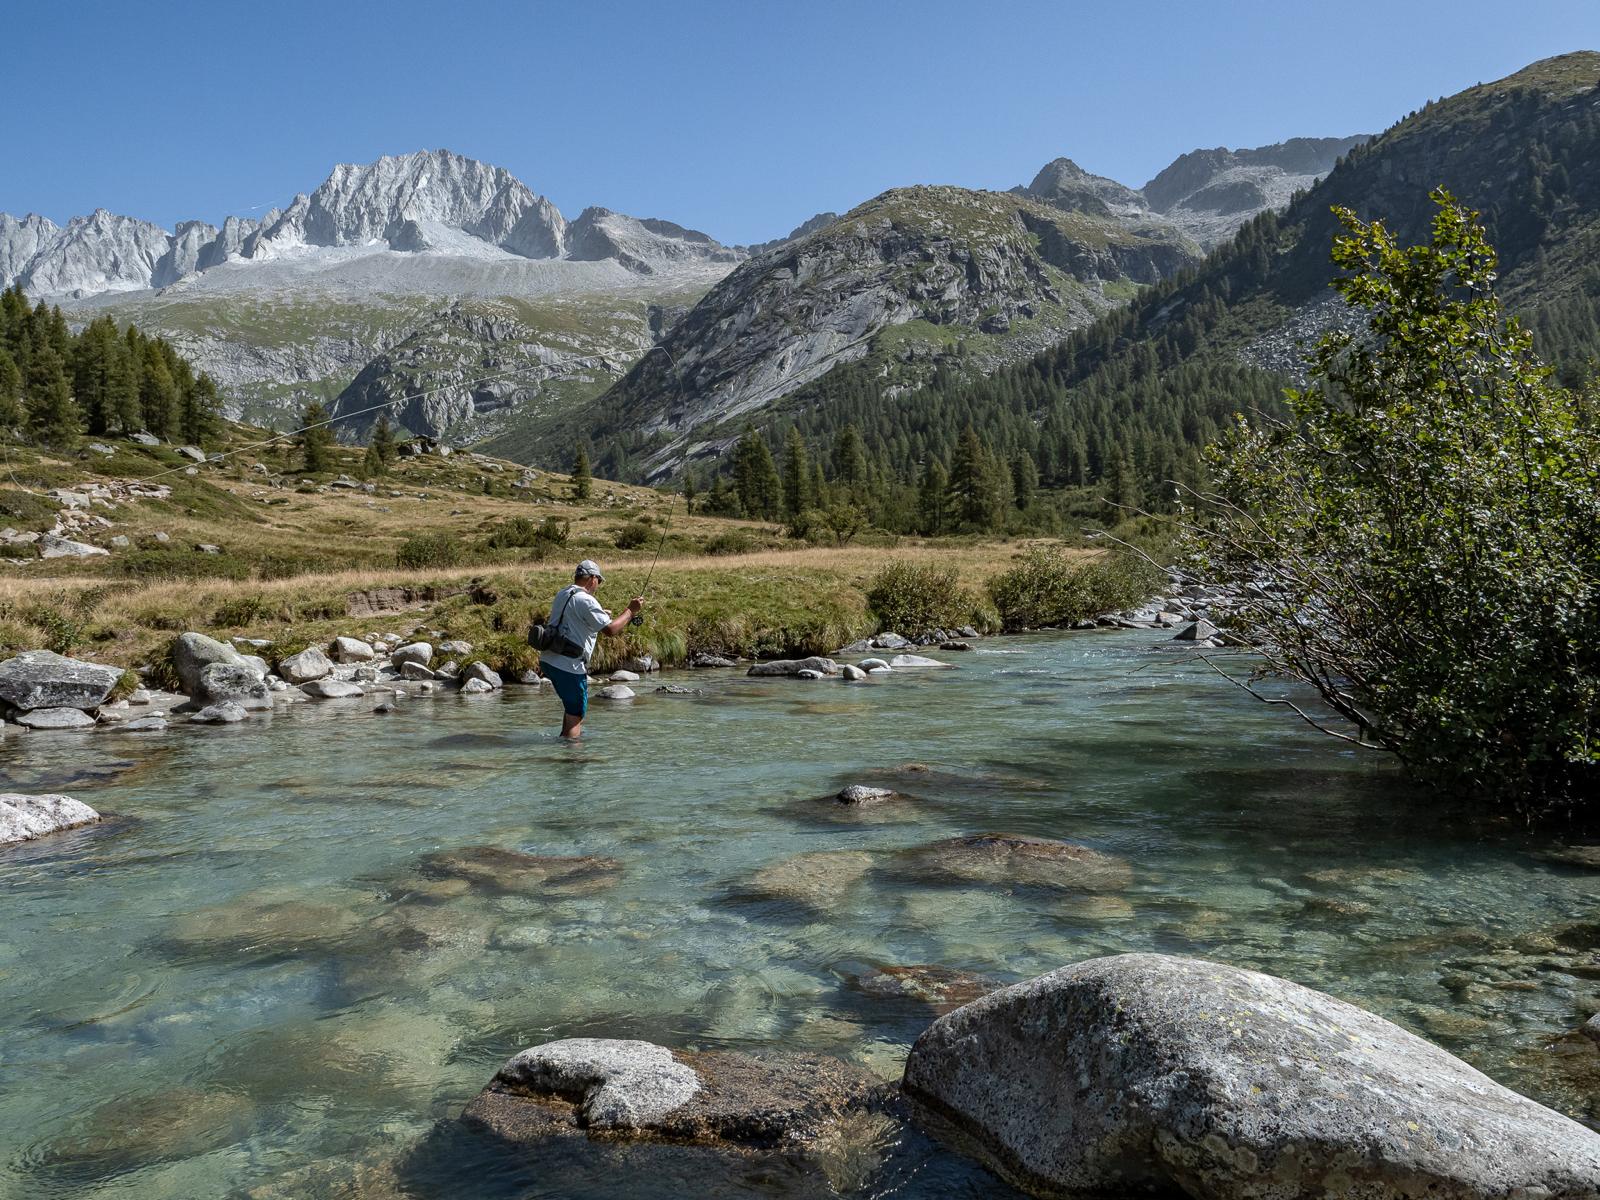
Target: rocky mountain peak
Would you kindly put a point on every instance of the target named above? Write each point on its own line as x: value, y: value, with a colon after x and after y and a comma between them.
x: 1063, y: 184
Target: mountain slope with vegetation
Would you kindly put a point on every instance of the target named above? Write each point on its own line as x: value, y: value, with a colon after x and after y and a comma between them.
x: 1129, y: 401
x: 908, y: 280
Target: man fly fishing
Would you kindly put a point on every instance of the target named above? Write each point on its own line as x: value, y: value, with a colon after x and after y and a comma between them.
x: 567, y: 641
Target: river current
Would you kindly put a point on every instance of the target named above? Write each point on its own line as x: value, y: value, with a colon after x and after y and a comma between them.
x: 248, y: 982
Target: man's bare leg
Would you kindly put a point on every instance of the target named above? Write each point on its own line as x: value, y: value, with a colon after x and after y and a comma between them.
x: 571, y: 726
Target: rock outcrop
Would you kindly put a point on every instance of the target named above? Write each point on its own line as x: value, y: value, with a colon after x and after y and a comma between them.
x: 1144, y: 1073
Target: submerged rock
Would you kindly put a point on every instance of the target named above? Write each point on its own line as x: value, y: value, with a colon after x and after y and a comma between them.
x: 1011, y: 858
x: 793, y: 666
x: 607, y: 1089
x: 942, y: 989
x: 915, y: 660
x: 226, y: 713
x: 494, y: 869
x: 1148, y: 1073
x: 819, y: 879
x: 44, y: 679
x: 23, y: 818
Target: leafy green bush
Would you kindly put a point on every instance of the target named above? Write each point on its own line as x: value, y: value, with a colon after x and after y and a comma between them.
x: 543, y: 538
x: 1048, y: 588
x: 426, y: 550
x: 633, y: 535
x: 909, y: 598
x: 1421, y: 543
x: 733, y: 541
x: 504, y: 654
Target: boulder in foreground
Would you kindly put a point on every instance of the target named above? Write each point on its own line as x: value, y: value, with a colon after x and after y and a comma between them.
x: 1146, y: 1073
x: 608, y: 1089
x: 23, y: 818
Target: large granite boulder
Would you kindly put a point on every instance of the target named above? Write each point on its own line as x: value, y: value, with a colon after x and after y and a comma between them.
x: 1006, y: 859
x: 43, y: 679
x: 240, y: 683
x: 793, y: 666
x: 192, y: 653
x: 23, y: 818
x: 352, y: 650
x: 609, y: 1089
x: 1146, y: 1073
x: 420, y: 653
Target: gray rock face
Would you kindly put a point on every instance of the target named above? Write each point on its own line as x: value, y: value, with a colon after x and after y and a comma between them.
x: 311, y: 663
x: 420, y: 653
x: 23, y: 818
x: 416, y: 671
x: 102, y: 252
x: 1063, y: 184
x: 145, y: 725
x: 55, y: 718
x: 1196, y: 631
x: 44, y: 679
x: 481, y: 672
x: 193, y: 652
x: 54, y: 546
x: 614, y: 1089
x: 1148, y: 1073
x: 793, y: 666
x: 239, y: 683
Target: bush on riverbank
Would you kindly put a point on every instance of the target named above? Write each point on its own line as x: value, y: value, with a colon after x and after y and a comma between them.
x: 1050, y: 587
x: 911, y: 598
x: 427, y: 550
x: 1421, y: 543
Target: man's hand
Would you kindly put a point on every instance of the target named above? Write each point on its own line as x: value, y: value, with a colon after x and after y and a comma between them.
x: 635, y: 605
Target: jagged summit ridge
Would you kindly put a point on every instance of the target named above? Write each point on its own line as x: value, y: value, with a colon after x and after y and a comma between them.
x: 432, y: 201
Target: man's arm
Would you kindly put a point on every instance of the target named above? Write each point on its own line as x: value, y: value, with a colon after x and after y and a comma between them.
x: 624, y: 618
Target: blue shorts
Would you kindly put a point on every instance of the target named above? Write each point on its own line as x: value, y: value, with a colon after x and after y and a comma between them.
x: 573, y: 689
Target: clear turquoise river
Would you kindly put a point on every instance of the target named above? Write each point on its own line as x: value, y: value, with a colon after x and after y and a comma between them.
x: 248, y: 983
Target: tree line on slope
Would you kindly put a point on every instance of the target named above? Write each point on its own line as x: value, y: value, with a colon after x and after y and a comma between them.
x: 56, y: 386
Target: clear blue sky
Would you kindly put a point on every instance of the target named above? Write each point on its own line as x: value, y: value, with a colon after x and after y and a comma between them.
x: 740, y: 118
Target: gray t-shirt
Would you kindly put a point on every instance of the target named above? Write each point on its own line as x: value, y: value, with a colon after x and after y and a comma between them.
x: 581, y: 619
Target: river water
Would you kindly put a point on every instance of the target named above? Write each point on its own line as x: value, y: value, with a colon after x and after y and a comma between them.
x: 252, y: 980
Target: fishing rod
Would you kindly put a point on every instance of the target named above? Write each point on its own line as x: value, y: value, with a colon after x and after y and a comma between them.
x: 638, y: 618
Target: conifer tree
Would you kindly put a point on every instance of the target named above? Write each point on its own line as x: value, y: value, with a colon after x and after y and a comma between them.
x: 582, y: 482
x: 1024, y: 480
x: 372, y: 464
x: 383, y: 442
x: 932, y: 498
x: 158, y: 393
x: 972, y: 484
x: 10, y: 391
x: 200, y: 420
x: 315, y: 440
x: 755, y: 476
x: 688, y: 493
x: 52, y: 415
x: 796, y: 476
x: 850, y: 458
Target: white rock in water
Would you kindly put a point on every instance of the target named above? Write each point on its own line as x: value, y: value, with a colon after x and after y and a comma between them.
x: 145, y: 725
x: 915, y: 660
x: 1144, y: 1073
x: 620, y: 1084
x: 850, y: 672
x: 55, y: 718
x: 615, y: 691
x: 415, y: 670
x: 23, y: 818
x: 624, y: 677
x: 475, y: 687
x: 807, y: 673
x: 868, y: 664
x: 332, y: 689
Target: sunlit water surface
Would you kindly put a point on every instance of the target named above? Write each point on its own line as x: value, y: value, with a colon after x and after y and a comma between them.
x: 245, y: 983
